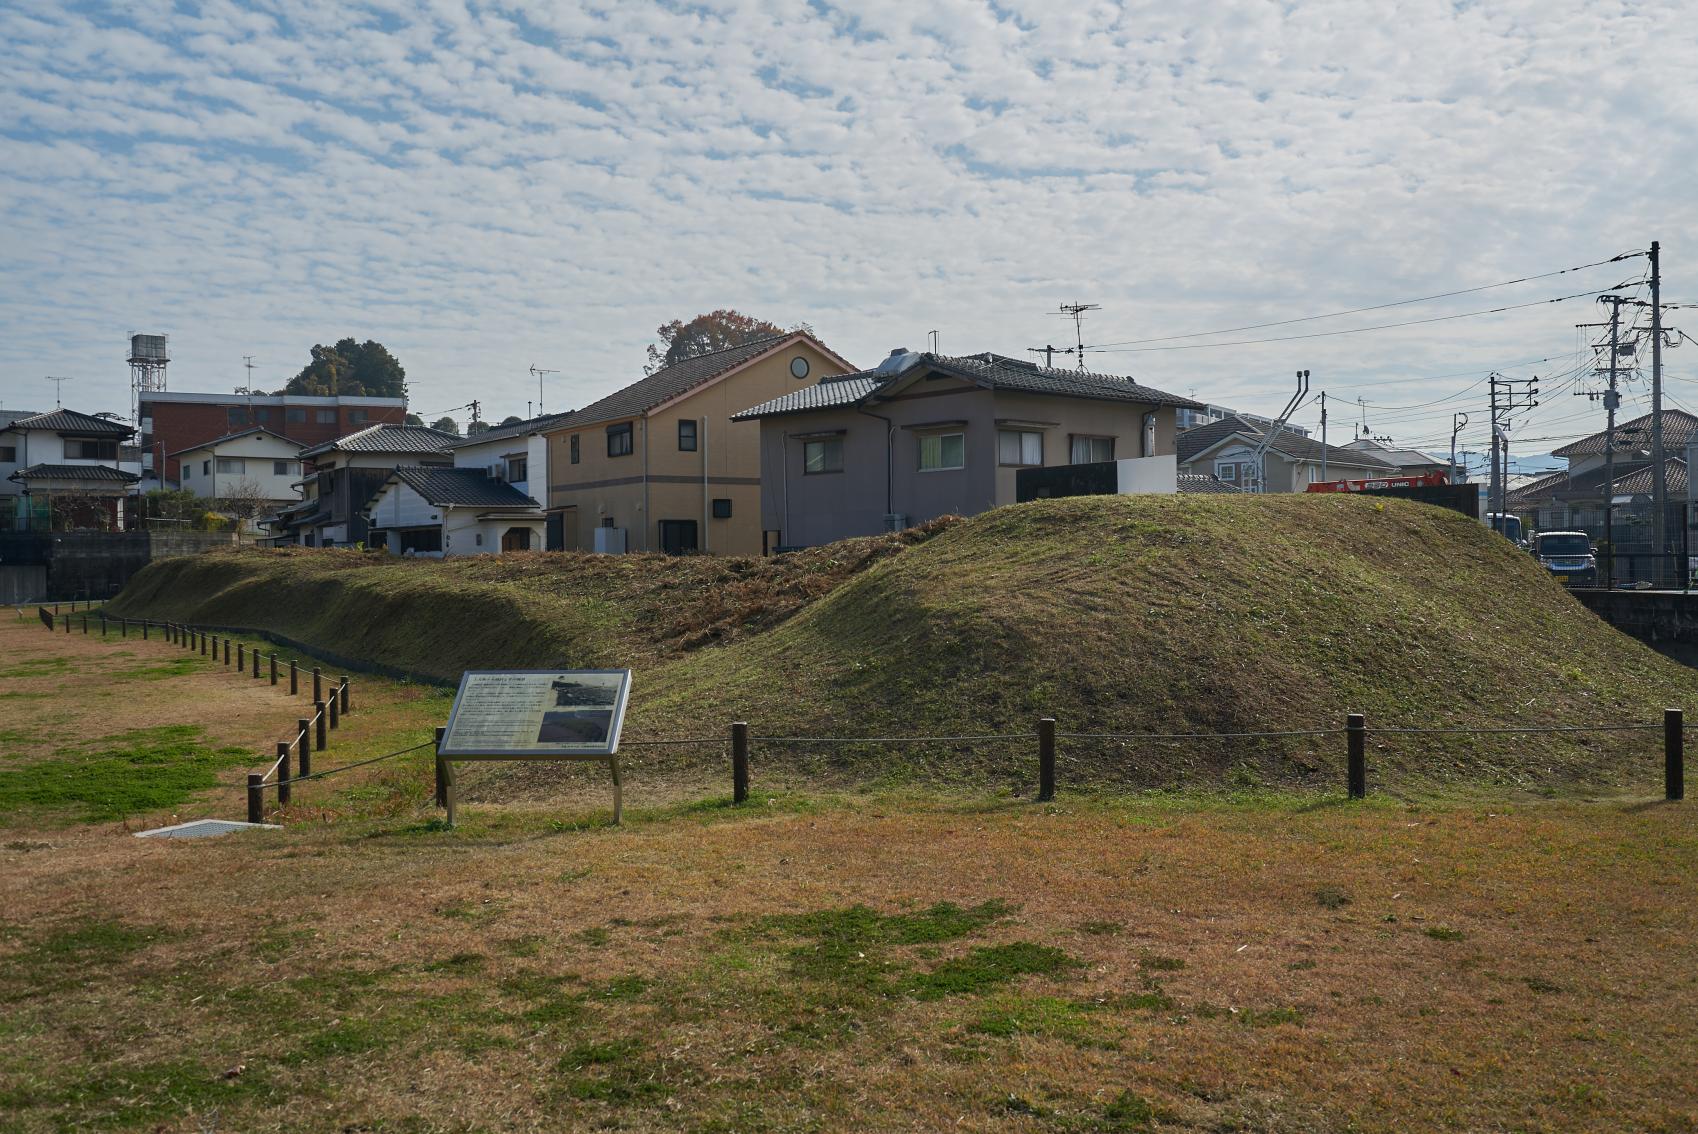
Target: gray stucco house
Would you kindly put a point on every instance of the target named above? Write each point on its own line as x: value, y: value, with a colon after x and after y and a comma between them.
x: 926, y: 435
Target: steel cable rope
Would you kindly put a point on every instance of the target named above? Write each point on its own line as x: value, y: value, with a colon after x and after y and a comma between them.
x: 1372, y: 307
x: 1353, y: 330
x: 358, y: 763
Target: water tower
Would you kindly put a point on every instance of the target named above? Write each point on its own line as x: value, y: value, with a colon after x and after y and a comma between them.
x: 148, y: 356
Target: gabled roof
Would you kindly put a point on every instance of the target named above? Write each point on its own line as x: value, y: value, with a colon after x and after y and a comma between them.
x: 467, y: 488
x: 8, y: 416
x: 681, y: 377
x: 74, y: 472
x: 988, y: 370
x: 233, y: 436
x: 1402, y: 458
x: 1678, y: 428
x: 1634, y: 479
x: 1193, y: 443
x: 70, y: 421
x: 385, y: 437
x: 517, y: 429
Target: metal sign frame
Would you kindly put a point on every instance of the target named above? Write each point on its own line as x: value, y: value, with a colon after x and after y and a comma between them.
x: 606, y: 752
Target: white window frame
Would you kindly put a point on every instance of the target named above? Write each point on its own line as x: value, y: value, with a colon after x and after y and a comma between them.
x: 940, y: 438
x: 1024, y: 435
x: 1226, y: 471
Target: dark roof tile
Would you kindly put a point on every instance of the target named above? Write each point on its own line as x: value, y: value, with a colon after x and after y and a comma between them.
x: 385, y: 437
x: 469, y: 488
x: 70, y: 421
x: 75, y: 472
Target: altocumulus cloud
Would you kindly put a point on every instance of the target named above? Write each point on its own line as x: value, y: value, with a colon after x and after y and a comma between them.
x: 483, y: 186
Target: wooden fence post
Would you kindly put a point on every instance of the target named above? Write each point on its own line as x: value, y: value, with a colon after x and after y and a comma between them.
x: 334, y: 705
x: 1674, y: 754
x: 201, y: 634
x: 1356, y: 733
x: 317, y: 685
x: 342, y: 690
x: 226, y: 649
x: 145, y: 625
x: 303, y: 733
x: 283, y: 773
x: 103, y: 624
x: 241, y: 655
x: 274, y: 669
x: 255, y: 653
x: 441, y: 771
x: 739, y: 761
x: 256, y: 798
x: 321, y: 720
x: 85, y: 625
x: 1046, y: 759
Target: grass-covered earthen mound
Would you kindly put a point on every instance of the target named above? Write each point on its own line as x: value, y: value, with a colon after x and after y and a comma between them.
x: 1113, y: 614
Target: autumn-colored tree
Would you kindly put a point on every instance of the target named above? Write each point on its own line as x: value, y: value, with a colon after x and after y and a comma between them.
x: 356, y: 369
x: 714, y: 331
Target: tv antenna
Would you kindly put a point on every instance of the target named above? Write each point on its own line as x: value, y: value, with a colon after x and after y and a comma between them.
x: 248, y: 362
x: 58, y: 384
x: 1077, y: 311
x: 537, y: 372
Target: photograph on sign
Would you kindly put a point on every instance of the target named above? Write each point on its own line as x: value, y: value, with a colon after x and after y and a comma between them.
x: 537, y: 713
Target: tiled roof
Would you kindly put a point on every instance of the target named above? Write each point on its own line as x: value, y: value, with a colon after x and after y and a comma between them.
x: 517, y: 429
x: 233, y: 436
x: 1193, y: 442
x: 992, y: 371
x: 1634, y: 480
x: 1205, y: 485
x: 667, y: 383
x: 75, y: 472
x: 1678, y: 428
x: 387, y: 438
x: 70, y: 421
x: 825, y: 395
x: 1402, y: 458
x: 470, y: 488
x: 8, y: 416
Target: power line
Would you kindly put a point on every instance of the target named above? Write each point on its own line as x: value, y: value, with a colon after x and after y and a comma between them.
x: 1355, y: 330
x: 1376, y: 306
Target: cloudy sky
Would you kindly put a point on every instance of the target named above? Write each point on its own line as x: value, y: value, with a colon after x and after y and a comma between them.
x: 483, y: 187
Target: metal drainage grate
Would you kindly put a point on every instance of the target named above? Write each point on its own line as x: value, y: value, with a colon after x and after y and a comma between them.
x: 203, y: 829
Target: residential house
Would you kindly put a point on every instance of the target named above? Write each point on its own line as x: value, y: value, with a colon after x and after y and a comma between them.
x: 924, y: 435
x: 1209, y: 414
x: 452, y: 511
x: 173, y: 421
x: 514, y: 454
x: 1573, y: 499
x: 1409, y: 462
x: 344, y: 474
x: 1226, y: 449
x: 661, y: 465
x: 252, y: 472
x: 62, y: 471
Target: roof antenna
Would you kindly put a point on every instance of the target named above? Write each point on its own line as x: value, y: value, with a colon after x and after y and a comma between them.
x: 537, y: 372
x: 58, y: 384
x: 1077, y: 310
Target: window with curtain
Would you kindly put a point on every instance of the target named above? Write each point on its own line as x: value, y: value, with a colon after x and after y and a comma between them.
x: 824, y: 455
x: 940, y: 451
x: 1086, y: 450
x: 1019, y: 447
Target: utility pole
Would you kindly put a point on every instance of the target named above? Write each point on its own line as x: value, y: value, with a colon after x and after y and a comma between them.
x: 1508, y: 395
x: 1047, y: 351
x: 1323, y: 435
x: 1457, y: 422
x: 1659, y: 476
x: 1612, y: 402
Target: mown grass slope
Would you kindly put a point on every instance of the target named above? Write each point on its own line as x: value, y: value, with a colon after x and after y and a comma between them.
x: 1113, y: 614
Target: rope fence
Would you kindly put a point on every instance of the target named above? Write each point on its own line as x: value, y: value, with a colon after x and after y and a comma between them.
x: 312, y: 732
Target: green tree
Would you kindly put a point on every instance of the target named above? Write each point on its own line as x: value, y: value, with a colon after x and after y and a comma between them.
x: 447, y: 425
x: 477, y: 427
x: 357, y: 369
x: 413, y: 419
x: 714, y: 331
x: 512, y: 419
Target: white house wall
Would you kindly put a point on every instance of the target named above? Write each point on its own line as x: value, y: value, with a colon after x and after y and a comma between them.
x: 258, y: 454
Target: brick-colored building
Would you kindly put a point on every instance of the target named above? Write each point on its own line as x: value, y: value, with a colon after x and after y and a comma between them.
x: 172, y: 421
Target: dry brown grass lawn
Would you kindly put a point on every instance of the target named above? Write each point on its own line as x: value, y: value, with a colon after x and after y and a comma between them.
x: 856, y: 962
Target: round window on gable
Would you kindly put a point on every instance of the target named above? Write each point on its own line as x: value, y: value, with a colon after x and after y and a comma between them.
x: 798, y: 367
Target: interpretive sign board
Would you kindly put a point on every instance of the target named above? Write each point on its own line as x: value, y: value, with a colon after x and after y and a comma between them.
x: 534, y: 714
x: 545, y: 714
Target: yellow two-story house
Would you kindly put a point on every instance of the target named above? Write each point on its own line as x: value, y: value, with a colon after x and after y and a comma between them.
x: 660, y: 465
